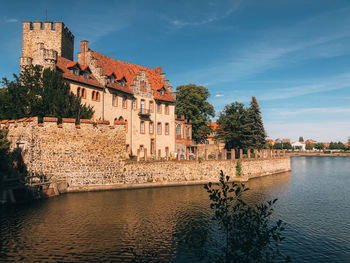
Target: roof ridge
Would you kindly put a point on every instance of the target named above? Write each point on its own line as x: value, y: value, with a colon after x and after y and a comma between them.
x: 147, y: 68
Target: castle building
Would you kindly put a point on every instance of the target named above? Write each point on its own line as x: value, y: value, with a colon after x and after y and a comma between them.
x: 117, y: 90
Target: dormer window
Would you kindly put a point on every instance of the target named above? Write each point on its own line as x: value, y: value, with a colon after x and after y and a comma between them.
x: 162, y: 91
x: 75, y: 71
x: 122, y: 82
x: 112, y: 80
x: 86, y: 75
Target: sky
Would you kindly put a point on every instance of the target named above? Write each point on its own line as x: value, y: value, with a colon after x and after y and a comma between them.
x: 293, y: 56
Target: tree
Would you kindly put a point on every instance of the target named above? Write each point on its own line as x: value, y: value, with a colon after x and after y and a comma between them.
x: 191, y: 101
x: 247, y: 232
x: 301, y: 139
x: 38, y: 92
x: 278, y: 146
x: 319, y: 146
x: 4, y: 152
x: 309, y: 146
x: 287, y: 146
x: 232, y: 128
x: 256, y: 130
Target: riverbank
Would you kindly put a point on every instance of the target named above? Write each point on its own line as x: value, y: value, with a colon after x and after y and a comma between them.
x: 169, y: 174
x: 344, y: 154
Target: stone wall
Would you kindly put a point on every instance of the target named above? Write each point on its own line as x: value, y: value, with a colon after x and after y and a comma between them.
x: 77, y: 154
x: 186, y: 171
x: 92, y: 157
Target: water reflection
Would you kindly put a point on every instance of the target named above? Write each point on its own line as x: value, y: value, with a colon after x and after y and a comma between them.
x: 167, y: 224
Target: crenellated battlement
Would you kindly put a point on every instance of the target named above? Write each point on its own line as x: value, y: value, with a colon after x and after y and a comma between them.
x: 47, y: 26
x: 66, y: 123
x: 53, y: 36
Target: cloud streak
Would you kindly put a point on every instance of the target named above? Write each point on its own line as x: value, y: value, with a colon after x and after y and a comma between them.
x: 10, y: 20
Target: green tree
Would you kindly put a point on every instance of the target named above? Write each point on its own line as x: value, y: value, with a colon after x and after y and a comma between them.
x: 287, y: 146
x: 278, y: 146
x: 38, y: 92
x: 191, y: 101
x: 247, y: 232
x: 301, y: 139
x: 256, y: 136
x: 319, y: 146
x: 232, y: 128
x: 4, y: 153
x: 310, y: 146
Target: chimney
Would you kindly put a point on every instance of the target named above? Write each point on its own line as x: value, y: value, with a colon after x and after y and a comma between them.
x: 84, y: 47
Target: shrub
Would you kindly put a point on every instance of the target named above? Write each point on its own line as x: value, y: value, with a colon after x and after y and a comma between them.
x: 239, y: 168
x: 245, y: 231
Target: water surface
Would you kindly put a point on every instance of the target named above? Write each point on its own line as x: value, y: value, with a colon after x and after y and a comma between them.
x: 167, y: 224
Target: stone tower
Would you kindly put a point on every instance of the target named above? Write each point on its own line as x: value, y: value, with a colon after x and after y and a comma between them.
x: 43, y: 42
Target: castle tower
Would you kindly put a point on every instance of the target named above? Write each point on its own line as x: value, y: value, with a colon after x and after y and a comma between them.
x: 46, y: 41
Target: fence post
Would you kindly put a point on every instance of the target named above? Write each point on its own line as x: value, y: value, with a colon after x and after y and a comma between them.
x: 248, y: 153
x: 240, y: 153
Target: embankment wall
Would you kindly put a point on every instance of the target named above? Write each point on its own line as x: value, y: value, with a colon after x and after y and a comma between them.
x: 92, y: 157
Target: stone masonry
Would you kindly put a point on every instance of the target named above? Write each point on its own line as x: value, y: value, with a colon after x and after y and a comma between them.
x: 77, y: 154
x: 91, y: 156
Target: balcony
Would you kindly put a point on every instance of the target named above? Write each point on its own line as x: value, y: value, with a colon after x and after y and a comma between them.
x: 144, y: 113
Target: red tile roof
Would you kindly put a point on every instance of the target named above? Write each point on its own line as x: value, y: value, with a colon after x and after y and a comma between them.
x: 129, y: 71
x: 63, y: 64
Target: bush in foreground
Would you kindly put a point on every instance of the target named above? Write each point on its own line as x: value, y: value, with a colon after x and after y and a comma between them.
x: 247, y: 233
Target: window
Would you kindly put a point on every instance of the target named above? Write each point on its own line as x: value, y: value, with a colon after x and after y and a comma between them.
x: 122, y: 82
x: 76, y: 71
x: 159, y: 128
x: 178, y: 129
x: 151, y: 106
x: 159, y: 108
x: 114, y: 100
x: 162, y: 91
x: 188, y: 132
x: 151, y: 126
x: 93, y: 95
x: 97, y: 96
x: 142, y: 105
x: 112, y: 79
x: 166, y: 128
x: 166, y: 108
x: 86, y: 75
x: 78, y: 92
x: 141, y: 147
x: 127, y: 148
x: 125, y: 105
x: 83, y: 93
x: 142, y: 127
x: 134, y: 105
x: 143, y: 86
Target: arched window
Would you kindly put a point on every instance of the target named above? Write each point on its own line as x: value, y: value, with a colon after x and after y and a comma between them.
x: 121, y: 118
x: 93, y: 95
x: 78, y: 92
x: 97, y: 96
x: 83, y: 93
x: 178, y: 129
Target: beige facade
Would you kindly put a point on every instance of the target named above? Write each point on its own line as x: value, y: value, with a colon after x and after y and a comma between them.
x: 118, y: 91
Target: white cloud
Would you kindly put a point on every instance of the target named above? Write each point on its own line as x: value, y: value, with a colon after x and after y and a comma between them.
x: 11, y: 20
x: 215, y: 12
x: 326, y: 110
x: 219, y: 95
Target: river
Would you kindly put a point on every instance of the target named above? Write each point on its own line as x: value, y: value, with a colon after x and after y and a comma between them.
x: 165, y: 224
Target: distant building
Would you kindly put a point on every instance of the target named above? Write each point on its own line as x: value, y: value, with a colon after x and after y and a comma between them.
x: 310, y: 141
x: 298, y: 146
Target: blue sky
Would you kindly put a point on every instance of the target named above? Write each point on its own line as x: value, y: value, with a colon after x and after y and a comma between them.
x: 294, y: 56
